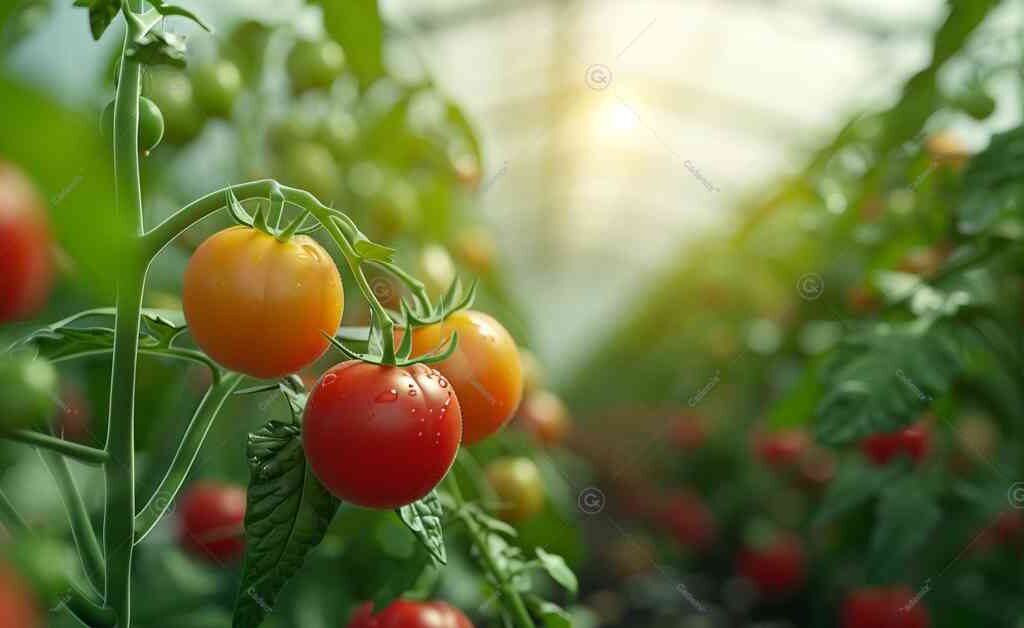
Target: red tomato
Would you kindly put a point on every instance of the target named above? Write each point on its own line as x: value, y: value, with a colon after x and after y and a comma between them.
x: 781, y: 448
x: 545, y: 417
x: 260, y: 306
x: 73, y: 415
x: 212, y: 521
x: 410, y: 614
x: 777, y: 568
x: 381, y: 437
x: 17, y: 606
x: 27, y: 264
x: 883, y: 447
x: 690, y: 520
x: 689, y: 432
x: 879, y: 607
x: 484, y: 369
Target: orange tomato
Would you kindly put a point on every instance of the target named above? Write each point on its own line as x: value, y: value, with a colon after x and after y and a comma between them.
x: 260, y: 306
x: 484, y: 369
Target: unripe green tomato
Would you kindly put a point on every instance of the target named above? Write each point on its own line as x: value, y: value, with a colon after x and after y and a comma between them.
x: 151, y: 124
x: 314, y: 64
x: 519, y: 487
x: 28, y: 390
x: 173, y: 94
x: 310, y: 166
x: 977, y: 103
x: 294, y: 128
x: 246, y: 45
x: 216, y: 85
x: 339, y: 131
x: 397, y: 208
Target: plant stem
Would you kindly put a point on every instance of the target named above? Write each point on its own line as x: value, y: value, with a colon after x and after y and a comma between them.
x: 10, y: 517
x: 479, y: 538
x: 81, y: 525
x: 76, y: 451
x: 188, y: 450
x: 86, y: 611
x: 119, y: 531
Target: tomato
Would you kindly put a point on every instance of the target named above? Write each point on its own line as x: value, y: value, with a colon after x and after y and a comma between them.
x: 817, y: 466
x: 782, y: 448
x: 688, y: 432
x: 396, y: 208
x: 484, y: 369
x: 260, y: 306
x: 467, y: 170
x: 690, y: 520
x: 73, y: 417
x: 545, y: 417
x: 25, y: 244
x: 945, y: 148
x: 776, y: 568
x: 435, y: 269
x: 217, y: 85
x: 339, y: 131
x: 247, y: 43
x: 474, y: 247
x: 212, y: 521
x: 28, y: 390
x: 151, y: 124
x: 913, y: 441
x: 410, y: 614
x: 380, y: 436
x: 310, y: 166
x: 172, y: 93
x: 862, y: 299
x: 884, y: 607
x: 977, y: 103
x: 314, y: 64
x: 533, y: 371
x: 17, y: 605
x: 519, y: 487
x: 924, y: 261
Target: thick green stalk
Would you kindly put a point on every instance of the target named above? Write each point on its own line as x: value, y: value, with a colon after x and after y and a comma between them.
x: 10, y: 517
x: 76, y: 451
x: 513, y: 601
x: 81, y: 526
x: 119, y: 528
x: 186, y: 455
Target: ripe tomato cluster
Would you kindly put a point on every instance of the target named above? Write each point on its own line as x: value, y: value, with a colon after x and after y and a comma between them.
x: 912, y: 441
x: 28, y: 267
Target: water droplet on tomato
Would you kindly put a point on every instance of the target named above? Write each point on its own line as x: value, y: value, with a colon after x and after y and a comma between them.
x: 387, y: 396
x: 414, y: 410
x: 329, y: 379
x: 412, y: 393
x: 442, y: 382
x: 420, y: 433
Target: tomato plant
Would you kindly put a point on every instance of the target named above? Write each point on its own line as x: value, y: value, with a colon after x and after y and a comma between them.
x: 25, y: 240
x: 410, y: 614
x: 261, y: 306
x: 912, y: 441
x: 380, y: 436
x: 484, y: 369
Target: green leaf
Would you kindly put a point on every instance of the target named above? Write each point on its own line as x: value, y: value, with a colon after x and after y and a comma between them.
x: 553, y: 615
x: 159, y: 48
x: 370, y: 250
x: 994, y: 182
x: 170, y: 9
x: 356, y: 25
x: 424, y: 518
x: 63, y: 341
x: 907, y: 515
x: 855, y: 483
x: 883, y: 377
x: 101, y: 14
x: 555, y: 567
x: 287, y: 514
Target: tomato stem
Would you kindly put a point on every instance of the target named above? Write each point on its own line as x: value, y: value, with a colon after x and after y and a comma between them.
x: 164, y: 494
x: 118, y: 533
x: 81, y: 526
x: 479, y: 538
x: 76, y: 451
